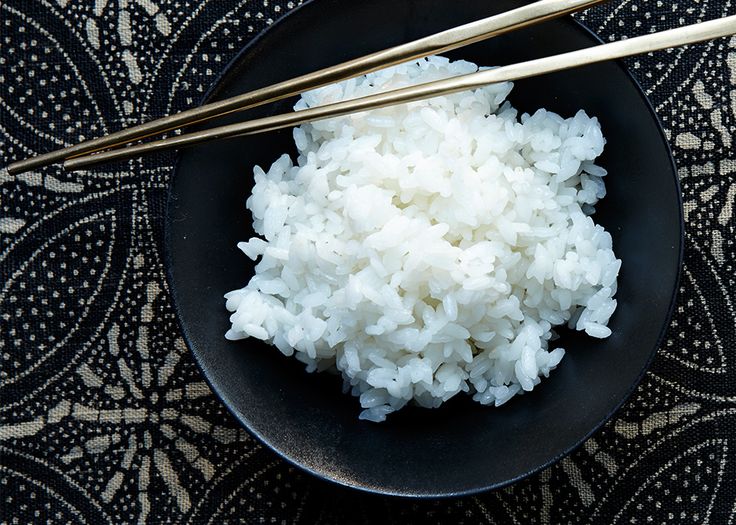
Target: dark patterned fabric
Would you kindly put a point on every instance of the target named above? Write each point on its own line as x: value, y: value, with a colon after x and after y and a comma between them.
x: 104, y: 417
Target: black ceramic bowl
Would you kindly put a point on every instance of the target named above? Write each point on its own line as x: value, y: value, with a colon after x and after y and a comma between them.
x: 462, y: 447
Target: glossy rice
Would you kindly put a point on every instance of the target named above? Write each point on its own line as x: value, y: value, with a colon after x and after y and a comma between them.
x: 429, y: 249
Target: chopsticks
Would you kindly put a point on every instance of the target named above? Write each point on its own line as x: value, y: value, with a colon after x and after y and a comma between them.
x: 615, y: 50
x: 441, y: 42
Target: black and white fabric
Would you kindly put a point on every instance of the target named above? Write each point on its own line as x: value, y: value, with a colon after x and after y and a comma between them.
x: 104, y: 417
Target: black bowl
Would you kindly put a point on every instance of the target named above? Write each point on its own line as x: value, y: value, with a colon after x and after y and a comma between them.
x: 462, y: 447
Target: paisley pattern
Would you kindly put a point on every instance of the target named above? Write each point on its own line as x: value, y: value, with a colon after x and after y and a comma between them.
x: 103, y: 415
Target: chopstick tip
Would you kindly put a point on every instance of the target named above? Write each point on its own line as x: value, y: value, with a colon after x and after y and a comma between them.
x: 14, y: 168
x: 70, y: 165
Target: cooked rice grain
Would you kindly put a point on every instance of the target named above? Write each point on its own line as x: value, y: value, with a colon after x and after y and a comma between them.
x: 430, y: 248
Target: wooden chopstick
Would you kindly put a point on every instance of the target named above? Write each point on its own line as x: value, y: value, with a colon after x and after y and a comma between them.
x: 441, y: 42
x: 674, y: 37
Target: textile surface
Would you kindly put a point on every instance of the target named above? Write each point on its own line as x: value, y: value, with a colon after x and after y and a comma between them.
x: 104, y: 417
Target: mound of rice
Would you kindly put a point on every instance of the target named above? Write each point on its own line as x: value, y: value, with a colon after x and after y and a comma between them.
x: 429, y: 249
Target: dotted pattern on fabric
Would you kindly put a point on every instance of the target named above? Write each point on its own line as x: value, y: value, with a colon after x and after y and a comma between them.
x: 104, y: 417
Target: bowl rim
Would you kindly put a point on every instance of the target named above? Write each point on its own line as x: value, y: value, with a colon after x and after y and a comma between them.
x: 212, y: 90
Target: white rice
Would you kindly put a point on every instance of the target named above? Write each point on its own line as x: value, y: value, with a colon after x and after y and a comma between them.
x: 429, y: 249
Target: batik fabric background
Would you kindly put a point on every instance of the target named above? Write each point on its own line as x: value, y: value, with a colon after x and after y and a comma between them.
x: 104, y: 417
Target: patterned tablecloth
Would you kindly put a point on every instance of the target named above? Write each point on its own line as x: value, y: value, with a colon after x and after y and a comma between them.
x: 103, y: 414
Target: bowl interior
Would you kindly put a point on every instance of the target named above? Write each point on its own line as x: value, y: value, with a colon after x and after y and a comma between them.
x: 462, y: 447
